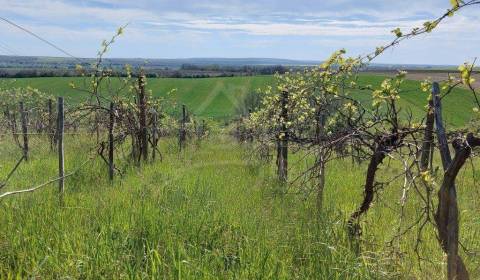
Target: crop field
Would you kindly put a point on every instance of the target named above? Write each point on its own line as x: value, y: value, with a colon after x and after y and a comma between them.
x: 217, y: 98
x: 209, y: 97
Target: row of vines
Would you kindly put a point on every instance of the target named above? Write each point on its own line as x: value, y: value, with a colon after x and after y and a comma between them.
x: 317, y: 114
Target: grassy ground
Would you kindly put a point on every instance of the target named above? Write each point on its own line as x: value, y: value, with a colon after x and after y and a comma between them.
x: 218, y: 97
x: 211, y: 212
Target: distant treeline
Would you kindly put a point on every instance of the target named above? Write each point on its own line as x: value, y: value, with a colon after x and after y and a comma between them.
x: 185, y: 71
x: 246, y: 69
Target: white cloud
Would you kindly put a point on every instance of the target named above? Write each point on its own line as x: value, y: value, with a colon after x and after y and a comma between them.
x: 242, y: 26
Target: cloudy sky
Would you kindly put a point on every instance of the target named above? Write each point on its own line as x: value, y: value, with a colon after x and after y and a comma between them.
x: 295, y: 29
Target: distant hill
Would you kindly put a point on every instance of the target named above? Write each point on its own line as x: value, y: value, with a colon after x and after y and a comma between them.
x: 62, y: 62
x: 32, y: 66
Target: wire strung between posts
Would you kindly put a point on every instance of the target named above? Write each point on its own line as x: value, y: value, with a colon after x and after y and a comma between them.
x: 39, y: 38
x: 32, y: 189
x: 48, y: 182
x: 4, y: 183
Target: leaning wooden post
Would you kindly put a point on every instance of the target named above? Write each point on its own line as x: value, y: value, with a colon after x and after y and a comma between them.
x: 427, y: 145
x: 111, y: 166
x: 282, y: 149
x: 23, y: 115
x: 441, y: 134
x: 154, y: 133
x: 61, y: 166
x: 446, y: 216
x: 182, y: 132
x: 143, y: 117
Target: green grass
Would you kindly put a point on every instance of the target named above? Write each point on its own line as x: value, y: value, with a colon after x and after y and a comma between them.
x: 211, y: 212
x: 218, y: 97
x: 208, y: 213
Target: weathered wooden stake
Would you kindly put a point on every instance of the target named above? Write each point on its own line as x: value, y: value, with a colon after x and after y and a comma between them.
x: 321, y: 159
x: 50, y: 129
x: 61, y: 165
x: 23, y: 115
x: 195, y: 128
x: 182, y: 133
x: 111, y: 165
x: 427, y: 145
x: 282, y: 148
x: 441, y: 134
x: 143, y: 118
x: 200, y: 130
x: 154, y: 133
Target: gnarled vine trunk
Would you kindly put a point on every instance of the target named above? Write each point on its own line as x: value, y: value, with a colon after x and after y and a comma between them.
x: 369, y: 190
x: 446, y: 216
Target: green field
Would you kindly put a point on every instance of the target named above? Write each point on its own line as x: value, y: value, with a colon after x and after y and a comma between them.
x: 218, y: 97
x: 213, y: 97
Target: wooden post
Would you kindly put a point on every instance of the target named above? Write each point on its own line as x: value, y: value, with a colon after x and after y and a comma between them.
x: 182, y: 133
x: 427, y: 145
x: 111, y: 166
x: 446, y: 216
x: 195, y: 128
x: 23, y: 115
x: 241, y: 130
x: 200, y: 130
x: 249, y: 131
x: 441, y: 134
x: 154, y: 133
x: 282, y: 149
x: 51, y: 129
x: 321, y: 158
x: 143, y: 117
x: 61, y: 165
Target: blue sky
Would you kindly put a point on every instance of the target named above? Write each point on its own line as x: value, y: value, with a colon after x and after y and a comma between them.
x: 295, y: 29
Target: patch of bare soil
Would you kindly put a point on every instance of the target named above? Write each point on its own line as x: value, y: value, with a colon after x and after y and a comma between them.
x: 432, y: 75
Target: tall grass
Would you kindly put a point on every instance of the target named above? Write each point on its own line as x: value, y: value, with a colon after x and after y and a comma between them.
x: 210, y: 212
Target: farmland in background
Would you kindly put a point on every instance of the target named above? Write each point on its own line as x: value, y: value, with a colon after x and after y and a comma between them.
x: 217, y: 98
